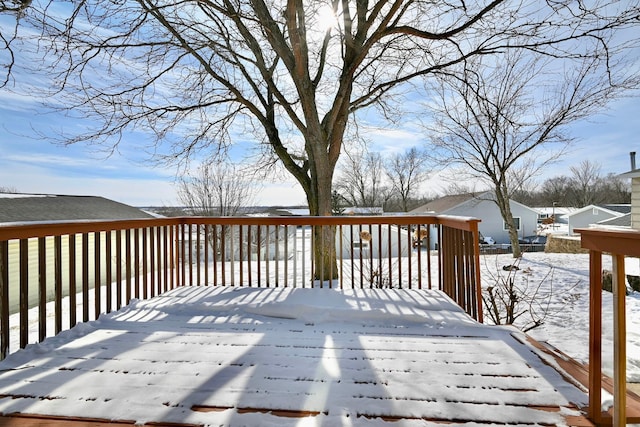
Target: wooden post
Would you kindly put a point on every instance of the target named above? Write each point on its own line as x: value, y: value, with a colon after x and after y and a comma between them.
x: 4, y: 298
x: 619, y: 343
x: 595, y: 336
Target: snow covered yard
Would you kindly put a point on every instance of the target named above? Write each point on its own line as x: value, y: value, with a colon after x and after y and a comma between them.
x: 563, y: 281
x: 260, y: 357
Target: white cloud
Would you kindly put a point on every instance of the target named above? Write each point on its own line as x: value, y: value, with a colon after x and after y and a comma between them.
x: 285, y: 194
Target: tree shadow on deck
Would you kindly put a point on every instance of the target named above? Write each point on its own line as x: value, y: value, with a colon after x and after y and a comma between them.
x: 280, y: 356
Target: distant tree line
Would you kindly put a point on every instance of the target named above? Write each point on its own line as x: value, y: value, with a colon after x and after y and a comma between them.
x: 368, y: 180
x: 583, y: 186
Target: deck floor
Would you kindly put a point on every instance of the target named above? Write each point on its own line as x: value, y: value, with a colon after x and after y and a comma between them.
x: 283, y: 356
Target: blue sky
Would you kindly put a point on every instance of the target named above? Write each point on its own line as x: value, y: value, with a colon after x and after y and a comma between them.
x: 34, y: 164
x: 31, y: 164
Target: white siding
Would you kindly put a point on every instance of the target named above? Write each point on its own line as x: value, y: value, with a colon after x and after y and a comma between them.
x: 635, y: 203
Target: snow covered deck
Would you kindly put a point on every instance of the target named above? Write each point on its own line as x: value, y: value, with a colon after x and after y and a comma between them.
x: 228, y: 356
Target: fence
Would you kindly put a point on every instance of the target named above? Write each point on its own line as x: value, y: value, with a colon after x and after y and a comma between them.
x: 78, y: 270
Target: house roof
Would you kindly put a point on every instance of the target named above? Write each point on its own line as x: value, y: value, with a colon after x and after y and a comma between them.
x: 557, y: 210
x: 49, y: 207
x: 623, y: 208
x: 363, y: 210
x: 586, y: 208
x: 444, y: 204
x: 631, y: 174
x: 617, y: 221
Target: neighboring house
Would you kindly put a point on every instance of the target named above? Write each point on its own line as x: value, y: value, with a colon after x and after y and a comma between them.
x: 561, y: 213
x: 363, y: 210
x: 19, y: 207
x: 483, y: 207
x: 619, y: 221
x: 592, y: 214
x: 623, y: 208
x: 365, y: 241
x: 634, y: 174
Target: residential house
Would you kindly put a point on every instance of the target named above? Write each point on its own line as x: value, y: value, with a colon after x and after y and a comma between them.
x: 634, y: 174
x: 21, y: 208
x: 591, y: 214
x: 373, y: 241
x: 560, y: 213
x: 483, y: 207
x: 618, y: 221
x: 363, y: 210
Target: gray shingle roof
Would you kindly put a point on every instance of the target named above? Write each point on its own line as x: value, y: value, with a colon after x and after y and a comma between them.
x: 443, y: 204
x: 620, y: 221
x: 48, y: 207
x: 623, y: 208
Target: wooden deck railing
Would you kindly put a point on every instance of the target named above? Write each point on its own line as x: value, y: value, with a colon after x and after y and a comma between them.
x: 75, y: 271
x: 618, y: 244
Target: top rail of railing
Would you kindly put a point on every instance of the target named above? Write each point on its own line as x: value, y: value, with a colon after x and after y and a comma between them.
x: 25, y: 230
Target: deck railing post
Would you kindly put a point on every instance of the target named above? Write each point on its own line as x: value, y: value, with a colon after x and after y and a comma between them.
x: 4, y: 298
x: 118, y: 269
x: 619, y: 243
x: 72, y: 280
x: 57, y: 242
x: 97, y: 260
x: 128, y: 271
x: 619, y: 341
x: 42, y: 288
x: 85, y: 277
x: 24, y: 292
x: 108, y: 265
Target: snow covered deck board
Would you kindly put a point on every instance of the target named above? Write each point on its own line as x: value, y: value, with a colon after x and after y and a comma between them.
x: 283, y: 356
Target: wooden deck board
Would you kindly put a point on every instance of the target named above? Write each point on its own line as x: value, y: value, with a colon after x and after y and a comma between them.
x: 221, y: 371
x: 580, y: 372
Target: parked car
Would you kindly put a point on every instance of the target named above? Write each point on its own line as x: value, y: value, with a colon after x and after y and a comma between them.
x: 487, y: 240
x: 533, y: 240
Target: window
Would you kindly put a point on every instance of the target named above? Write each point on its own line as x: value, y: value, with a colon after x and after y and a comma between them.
x: 516, y: 221
x: 360, y: 245
x: 595, y: 211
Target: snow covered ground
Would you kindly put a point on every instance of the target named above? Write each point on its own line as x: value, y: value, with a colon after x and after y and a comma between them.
x: 562, y: 283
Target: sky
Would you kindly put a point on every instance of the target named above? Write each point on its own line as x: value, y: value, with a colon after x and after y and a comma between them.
x: 30, y: 162
x: 320, y: 350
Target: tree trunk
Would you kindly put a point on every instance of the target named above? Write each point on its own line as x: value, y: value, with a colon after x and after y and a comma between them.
x: 324, y: 237
x: 502, y: 199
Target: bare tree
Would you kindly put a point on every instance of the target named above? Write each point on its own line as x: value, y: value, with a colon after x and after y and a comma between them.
x: 198, y: 74
x: 615, y: 189
x: 360, y: 179
x: 565, y: 190
x: 585, y: 180
x: 503, y: 118
x: 216, y: 190
x: 407, y: 171
x: 556, y: 189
